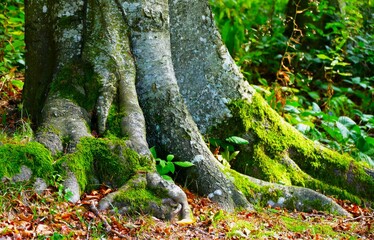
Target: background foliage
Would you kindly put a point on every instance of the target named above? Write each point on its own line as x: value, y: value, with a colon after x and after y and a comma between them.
x: 318, y: 76
x: 12, y: 46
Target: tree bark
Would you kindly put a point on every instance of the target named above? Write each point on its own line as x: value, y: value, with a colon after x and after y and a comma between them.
x: 155, y: 73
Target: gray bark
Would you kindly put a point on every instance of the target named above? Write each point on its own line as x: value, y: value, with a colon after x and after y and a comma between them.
x: 169, y: 124
x: 207, y: 75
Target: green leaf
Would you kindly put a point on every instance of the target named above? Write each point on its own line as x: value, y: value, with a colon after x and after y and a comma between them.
x: 184, y: 164
x: 303, y: 128
x: 323, y: 57
x: 291, y: 109
x: 344, y: 74
x: 316, y: 108
x: 314, y: 95
x: 343, y: 130
x: 170, y: 167
x: 226, y: 154
x: 333, y: 132
x: 167, y: 178
x: 233, y: 155
x: 219, y: 216
x: 153, y: 151
x: 170, y: 157
x: 236, y: 140
x: 370, y: 140
x: 162, y: 162
x: 17, y: 83
x: 346, y: 121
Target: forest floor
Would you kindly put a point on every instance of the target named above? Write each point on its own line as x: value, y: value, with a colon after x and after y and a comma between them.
x: 27, y: 215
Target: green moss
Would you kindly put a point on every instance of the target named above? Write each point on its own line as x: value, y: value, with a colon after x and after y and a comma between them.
x: 110, y: 160
x: 78, y: 82
x: 259, y: 195
x: 113, y: 124
x: 33, y: 155
x: 301, y: 226
x: 137, y: 199
x: 272, y: 140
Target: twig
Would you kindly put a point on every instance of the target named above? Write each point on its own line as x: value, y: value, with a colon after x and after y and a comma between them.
x: 357, y: 218
x: 108, y: 227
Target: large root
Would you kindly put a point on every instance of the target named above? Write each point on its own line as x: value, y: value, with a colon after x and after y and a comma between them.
x: 290, y: 197
x: 149, y: 193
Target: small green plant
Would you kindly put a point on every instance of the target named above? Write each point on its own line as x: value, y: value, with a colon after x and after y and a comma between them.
x: 229, y: 153
x: 165, y: 167
x: 63, y: 194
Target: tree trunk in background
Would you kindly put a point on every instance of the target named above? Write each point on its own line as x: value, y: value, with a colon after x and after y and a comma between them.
x: 156, y: 73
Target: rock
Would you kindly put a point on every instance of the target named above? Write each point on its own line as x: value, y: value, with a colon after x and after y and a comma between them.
x: 24, y: 175
x: 40, y: 185
x: 71, y: 184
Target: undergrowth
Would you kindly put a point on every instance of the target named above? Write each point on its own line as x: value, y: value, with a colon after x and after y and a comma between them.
x: 313, y: 62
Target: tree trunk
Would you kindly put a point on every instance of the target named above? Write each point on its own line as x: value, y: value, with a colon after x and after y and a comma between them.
x: 155, y: 73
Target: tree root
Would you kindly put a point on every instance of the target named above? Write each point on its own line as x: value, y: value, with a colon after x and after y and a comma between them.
x: 290, y: 197
x: 173, y: 200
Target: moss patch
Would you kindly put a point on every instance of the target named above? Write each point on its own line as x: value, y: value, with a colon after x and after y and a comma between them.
x: 113, y: 124
x: 111, y: 161
x: 301, y: 226
x: 78, y: 82
x: 272, y: 140
x: 137, y: 197
x: 33, y: 155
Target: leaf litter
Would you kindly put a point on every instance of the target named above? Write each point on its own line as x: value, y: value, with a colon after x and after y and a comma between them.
x: 27, y: 215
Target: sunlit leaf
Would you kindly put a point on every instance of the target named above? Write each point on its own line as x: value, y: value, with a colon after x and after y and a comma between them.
x: 153, y: 151
x: 346, y: 121
x: 170, y: 157
x: 303, y: 127
x: 236, y: 140
x: 166, y: 177
x: 343, y: 130
x: 184, y: 164
x: 323, y: 57
x: 17, y: 83
x: 316, y: 108
x: 170, y: 167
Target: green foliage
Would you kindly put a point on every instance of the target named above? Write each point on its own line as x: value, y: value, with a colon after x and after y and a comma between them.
x: 228, y: 154
x: 12, y: 45
x: 63, y: 194
x: 165, y: 167
x: 342, y: 133
x: 316, y: 72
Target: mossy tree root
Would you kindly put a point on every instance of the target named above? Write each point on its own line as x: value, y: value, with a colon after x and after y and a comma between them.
x: 149, y: 193
x: 263, y: 193
x: 279, y: 153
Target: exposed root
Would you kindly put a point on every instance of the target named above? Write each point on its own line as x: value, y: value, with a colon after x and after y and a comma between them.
x: 291, y: 197
x: 154, y: 181
x: 173, y: 202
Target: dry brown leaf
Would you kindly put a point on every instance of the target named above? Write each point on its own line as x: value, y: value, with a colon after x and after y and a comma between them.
x: 43, y: 229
